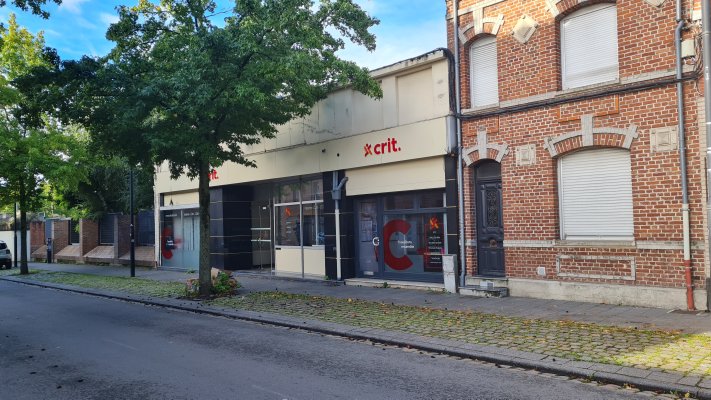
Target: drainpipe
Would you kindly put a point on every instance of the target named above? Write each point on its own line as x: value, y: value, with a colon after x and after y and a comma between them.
x: 706, y: 49
x: 682, y: 158
x: 460, y: 171
x: 336, y: 194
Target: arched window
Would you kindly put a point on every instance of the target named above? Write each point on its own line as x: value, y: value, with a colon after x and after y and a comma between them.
x: 588, y: 46
x: 596, y: 195
x: 484, y: 75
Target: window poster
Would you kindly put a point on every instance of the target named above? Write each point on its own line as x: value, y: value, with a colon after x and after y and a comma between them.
x: 434, y: 236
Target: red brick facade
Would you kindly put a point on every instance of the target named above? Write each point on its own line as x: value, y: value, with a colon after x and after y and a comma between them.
x: 532, y: 233
x: 89, y: 235
x: 36, y: 235
x: 60, y: 235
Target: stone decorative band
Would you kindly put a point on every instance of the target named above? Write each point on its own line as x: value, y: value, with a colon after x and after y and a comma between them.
x: 630, y: 277
x: 640, y: 244
x: 529, y: 243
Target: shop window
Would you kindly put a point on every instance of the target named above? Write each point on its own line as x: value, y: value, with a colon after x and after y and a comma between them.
x: 432, y: 200
x: 588, y: 46
x: 313, y: 224
x: 399, y: 202
x: 299, y: 208
x: 180, y: 238
x: 312, y: 190
x: 288, y: 192
x: 414, y: 242
x: 596, y: 195
x: 484, y: 73
x: 288, y: 225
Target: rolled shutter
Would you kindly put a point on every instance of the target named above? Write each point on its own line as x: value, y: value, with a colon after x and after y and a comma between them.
x: 596, y: 195
x: 589, y: 46
x: 484, y: 74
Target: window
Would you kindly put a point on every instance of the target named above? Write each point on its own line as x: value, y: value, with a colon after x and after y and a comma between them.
x: 299, y: 211
x: 484, y: 74
x: 596, y: 195
x: 588, y: 46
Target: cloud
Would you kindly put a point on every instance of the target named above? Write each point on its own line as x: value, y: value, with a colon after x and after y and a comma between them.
x: 108, y: 19
x: 85, y: 23
x: 72, y: 6
x: 398, y: 42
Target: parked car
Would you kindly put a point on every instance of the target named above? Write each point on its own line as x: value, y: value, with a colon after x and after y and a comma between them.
x: 5, y: 256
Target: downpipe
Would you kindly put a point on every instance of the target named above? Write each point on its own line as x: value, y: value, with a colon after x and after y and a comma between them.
x: 706, y: 51
x: 682, y: 161
x: 460, y: 171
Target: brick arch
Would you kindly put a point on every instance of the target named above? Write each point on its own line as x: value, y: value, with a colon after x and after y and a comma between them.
x: 483, y: 150
x: 590, y: 137
x: 479, y: 26
x: 562, y: 8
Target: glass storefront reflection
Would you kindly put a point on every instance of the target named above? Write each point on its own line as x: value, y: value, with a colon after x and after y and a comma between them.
x: 414, y: 243
x: 180, y: 238
x: 412, y: 236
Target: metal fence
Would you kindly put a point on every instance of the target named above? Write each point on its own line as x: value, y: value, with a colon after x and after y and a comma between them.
x: 74, y: 236
x: 106, y: 230
x: 145, y: 228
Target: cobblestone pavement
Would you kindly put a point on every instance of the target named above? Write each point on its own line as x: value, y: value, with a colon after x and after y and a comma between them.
x: 665, y: 351
x: 614, y: 342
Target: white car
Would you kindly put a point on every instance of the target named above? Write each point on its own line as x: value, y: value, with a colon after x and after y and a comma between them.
x: 5, y: 256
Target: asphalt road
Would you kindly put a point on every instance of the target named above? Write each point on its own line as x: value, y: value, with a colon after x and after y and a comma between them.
x: 59, y: 345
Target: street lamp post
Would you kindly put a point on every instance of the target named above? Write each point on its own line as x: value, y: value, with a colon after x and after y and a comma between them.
x: 133, y: 240
x: 14, y: 236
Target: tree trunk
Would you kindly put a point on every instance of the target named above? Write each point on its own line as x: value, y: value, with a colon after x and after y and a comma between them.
x: 24, y: 270
x: 204, y: 196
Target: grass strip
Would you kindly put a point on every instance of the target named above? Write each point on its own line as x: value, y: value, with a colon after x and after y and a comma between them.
x: 648, y: 349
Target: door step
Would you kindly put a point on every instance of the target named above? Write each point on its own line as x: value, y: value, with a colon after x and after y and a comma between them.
x: 484, y: 291
x: 482, y: 286
x: 383, y: 283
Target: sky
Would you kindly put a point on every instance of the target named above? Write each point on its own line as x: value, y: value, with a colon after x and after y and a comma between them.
x: 408, y: 28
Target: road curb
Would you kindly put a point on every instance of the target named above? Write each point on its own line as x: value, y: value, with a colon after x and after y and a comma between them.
x: 587, y: 370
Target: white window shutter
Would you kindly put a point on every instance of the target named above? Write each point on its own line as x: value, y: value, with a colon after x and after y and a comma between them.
x: 589, y: 46
x: 596, y: 195
x: 484, y: 75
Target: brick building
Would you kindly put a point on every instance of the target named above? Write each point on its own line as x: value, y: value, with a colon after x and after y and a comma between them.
x: 572, y: 176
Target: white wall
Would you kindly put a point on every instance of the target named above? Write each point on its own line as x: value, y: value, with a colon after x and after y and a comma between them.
x: 6, y: 236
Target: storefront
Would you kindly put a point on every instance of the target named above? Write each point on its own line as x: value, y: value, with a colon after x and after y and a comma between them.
x: 179, y: 238
x: 396, y: 213
x: 401, y: 236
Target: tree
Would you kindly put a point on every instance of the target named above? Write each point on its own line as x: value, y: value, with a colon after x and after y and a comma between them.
x: 30, y: 157
x: 181, y: 89
x: 35, y: 6
x: 106, y: 189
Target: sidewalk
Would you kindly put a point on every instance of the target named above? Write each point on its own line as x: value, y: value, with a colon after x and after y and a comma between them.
x: 621, y: 316
x: 463, y: 326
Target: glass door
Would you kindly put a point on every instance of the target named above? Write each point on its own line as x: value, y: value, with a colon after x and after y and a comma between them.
x: 402, y: 236
x: 369, y: 248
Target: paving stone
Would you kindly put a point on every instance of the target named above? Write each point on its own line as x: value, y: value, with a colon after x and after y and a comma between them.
x: 689, y: 380
x: 664, y: 377
x: 605, y: 368
x: 705, y: 383
x: 637, y: 373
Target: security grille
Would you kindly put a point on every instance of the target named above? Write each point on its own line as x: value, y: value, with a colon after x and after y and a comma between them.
x: 106, y: 230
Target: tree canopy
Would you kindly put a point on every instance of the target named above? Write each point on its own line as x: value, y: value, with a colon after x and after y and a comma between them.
x: 30, y: 156
x: 35, y: 6
x: 183, y: 87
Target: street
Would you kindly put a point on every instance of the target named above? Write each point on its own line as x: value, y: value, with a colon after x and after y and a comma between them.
x: 59, y: 345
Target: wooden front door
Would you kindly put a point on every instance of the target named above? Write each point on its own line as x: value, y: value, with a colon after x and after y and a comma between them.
x: 489, y: 220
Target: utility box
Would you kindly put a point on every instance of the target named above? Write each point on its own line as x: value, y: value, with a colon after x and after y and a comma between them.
x: 449, y: 269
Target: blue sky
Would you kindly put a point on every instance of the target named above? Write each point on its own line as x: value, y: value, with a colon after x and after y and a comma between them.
x: 407, y: 28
